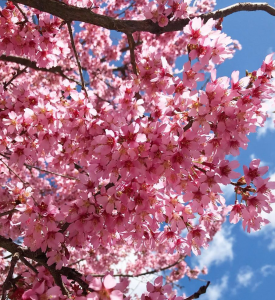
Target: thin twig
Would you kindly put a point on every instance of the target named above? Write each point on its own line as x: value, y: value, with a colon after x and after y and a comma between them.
x: 132, y: 52
x: 123, y: 12
x: 9, y: 212
x: 18, y: 73
x: 138, y: 43
x: 21, y: 11
x: 6, y: 284
x: 11, y: 170
x: 28, y: 264
x: 51, y: 172
x: 76, y: 262
x: 42, y: 170
x: 77, y: 59
x: 31, y: 64
x: 145, y: 273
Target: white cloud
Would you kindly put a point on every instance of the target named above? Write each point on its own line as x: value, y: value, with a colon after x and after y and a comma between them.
x: 245, y: 276
x: 216, y: 291
x: 138, y: 285
x: 268, y: 231
x: 219, y: 251
x: 268, y: 107
x: 267, y: 270
x: 228, y: 190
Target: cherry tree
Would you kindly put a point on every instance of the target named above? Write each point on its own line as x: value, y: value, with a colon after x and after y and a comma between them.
x: 108, y: 152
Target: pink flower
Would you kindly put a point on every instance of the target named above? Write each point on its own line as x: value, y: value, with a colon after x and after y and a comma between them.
x: 41, y: 291
x: 13, y: 122
x: 158, y: 286
x: 268, y: 66
x: 162, y: 20
x: 254, y: 170
x: 105, y: 289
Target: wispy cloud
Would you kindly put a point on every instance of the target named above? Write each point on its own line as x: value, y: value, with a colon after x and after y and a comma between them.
x: 268, y: 231
x: 268, y: 107
x: 137, y: 285
x: 245, y: 276
x: 228, y: 190
x: 216, y: 291
x: 219, y: 251
x: 267, y: 270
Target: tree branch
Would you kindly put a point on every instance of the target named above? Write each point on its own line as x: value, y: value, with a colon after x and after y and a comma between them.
x: 77, y: 59
x: 8, y: 212
x: 71, y: 13
x: 6, y: 284
x: 31, y: 64
x: 29, y: 265
x: 132, y: 52
x: 146, y: 273
x: 42, y: 170
x: 138, y: 43
x: 23, y: 14
x: 41, y: 258
x: 11, y: 170
x: 18, y: 73
x: 202, y: 290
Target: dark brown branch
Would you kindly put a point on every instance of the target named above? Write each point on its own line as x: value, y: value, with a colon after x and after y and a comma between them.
x: 146, y: 273
x: 58, y: 280
x: 121, y: 69
x: 76, y: 276
x: 71, y: 13
x: 23, y: 14
x: 9, y: 212
x: 40, y: 257
x: 18, y: 73
x: 138, y: 43
x: 31, y: 64
x: 132, y: 52
x: 28, y: 264
x: 6, y: 284
x: 188, y: 125
x: 202, y: 290
x: 77, y: 59
x: 200, y: 169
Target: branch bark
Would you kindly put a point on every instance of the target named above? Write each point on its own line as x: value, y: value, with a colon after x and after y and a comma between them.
x: 41, y: 258
x: 6, y: 284
x: 71, y: 13
x: 132, y: 52
x: 77, y: 59
x: 31, y: 64
x: 202, y: 290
